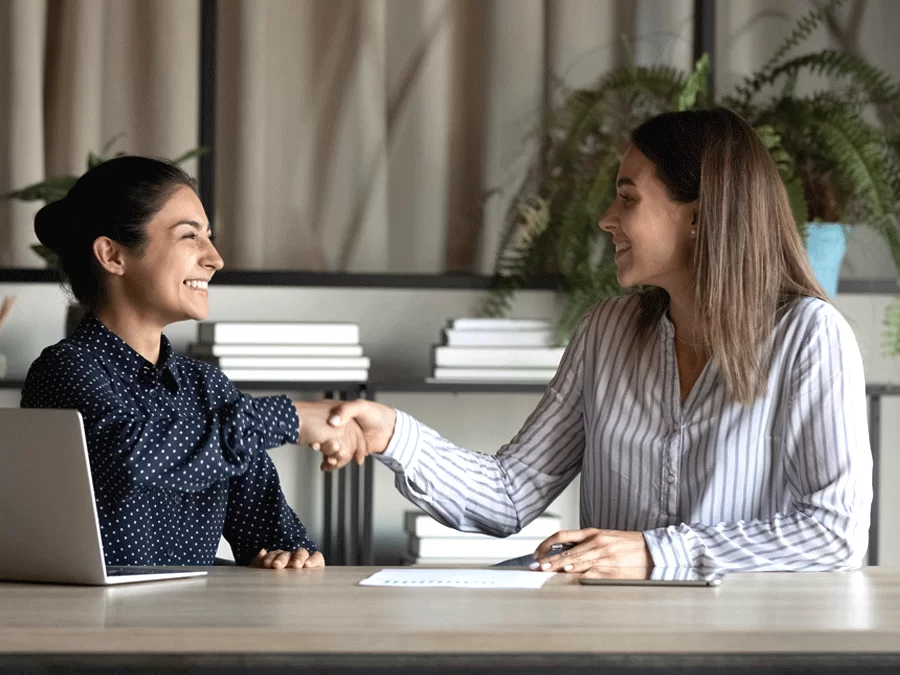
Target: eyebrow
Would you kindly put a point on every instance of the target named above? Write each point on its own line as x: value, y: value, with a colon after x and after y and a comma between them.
x: 624, y: 181
x: 192, y: 223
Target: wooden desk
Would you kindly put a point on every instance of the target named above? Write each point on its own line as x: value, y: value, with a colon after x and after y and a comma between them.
x: 266, y: 621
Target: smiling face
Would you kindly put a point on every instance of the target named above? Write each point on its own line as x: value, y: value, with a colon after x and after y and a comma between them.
x: 167, y: 281
x: 651, y: 231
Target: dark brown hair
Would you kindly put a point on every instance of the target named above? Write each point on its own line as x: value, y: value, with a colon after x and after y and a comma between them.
x: 115, y: 199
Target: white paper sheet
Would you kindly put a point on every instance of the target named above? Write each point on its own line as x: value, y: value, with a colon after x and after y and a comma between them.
x: 455, y: 578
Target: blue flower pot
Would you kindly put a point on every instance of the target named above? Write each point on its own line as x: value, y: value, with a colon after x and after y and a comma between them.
x: 825, y: 245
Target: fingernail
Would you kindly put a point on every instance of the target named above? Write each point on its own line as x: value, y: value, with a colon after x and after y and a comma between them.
x: 335, y: 420
x: 535, y: 565
x: 567, y: 568
x: 545, y: 566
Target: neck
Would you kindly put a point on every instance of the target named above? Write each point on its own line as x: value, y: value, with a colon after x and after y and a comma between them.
x: 681, y: 314
x: 137, y: 331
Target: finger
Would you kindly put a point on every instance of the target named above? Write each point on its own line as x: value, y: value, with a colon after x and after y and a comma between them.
x: 577, y: 558
x: 269, y: 557
x: 561, y: 537
x: 298, y: 558
x: 281, y: 560
x: 258, y: 558
x: 316, y: 446
x: 343, y: 413
x: 331, y: 448
x: 315, y: 560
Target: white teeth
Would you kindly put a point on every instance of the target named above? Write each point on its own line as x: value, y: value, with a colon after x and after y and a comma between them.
x: 197, y: 284
x: 622, y: 247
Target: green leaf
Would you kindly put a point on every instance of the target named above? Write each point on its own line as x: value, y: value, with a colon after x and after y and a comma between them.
x: 48, y: 190
x: 49, y: 257
x: 696, y: 86
x: 104, y: 152
x: 190, y: 154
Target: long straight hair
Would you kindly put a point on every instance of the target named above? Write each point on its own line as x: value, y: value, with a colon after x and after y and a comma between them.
x: 749, y: 258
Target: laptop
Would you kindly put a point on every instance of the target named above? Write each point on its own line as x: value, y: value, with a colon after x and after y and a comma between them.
x: 48, y: 518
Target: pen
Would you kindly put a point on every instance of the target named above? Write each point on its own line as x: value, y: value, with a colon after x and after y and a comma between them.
x: 556, y: 548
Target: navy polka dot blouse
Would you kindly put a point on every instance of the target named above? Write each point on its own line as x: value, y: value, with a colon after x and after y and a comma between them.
x: 178, y: 455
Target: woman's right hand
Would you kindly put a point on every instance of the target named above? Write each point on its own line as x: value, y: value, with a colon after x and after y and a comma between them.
x: 375, y: 421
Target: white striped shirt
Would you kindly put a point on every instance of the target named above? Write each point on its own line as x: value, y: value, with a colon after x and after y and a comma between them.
x: 783, y: 483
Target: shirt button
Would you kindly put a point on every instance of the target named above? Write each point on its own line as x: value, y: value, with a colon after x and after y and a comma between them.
x: 176, y: 500
x: 282, y: 425
x: 154, y: 393
x: 170, y: 552
x: 670, y: 478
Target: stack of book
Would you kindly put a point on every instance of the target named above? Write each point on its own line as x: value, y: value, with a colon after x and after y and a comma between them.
x: 497, y: 350
x: 282, y: 352
x: 430, y: 543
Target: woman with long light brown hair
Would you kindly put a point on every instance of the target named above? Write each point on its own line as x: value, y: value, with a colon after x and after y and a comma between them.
x: 717, y: 416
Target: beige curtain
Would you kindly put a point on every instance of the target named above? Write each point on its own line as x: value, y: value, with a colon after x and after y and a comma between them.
x: 353, y: 135
x: 75, y: 73
x: 388, y: 135
x: 359, y: 135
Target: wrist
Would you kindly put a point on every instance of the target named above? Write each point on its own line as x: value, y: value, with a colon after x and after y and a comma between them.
x: 388, y: 420
x: 300, y: 439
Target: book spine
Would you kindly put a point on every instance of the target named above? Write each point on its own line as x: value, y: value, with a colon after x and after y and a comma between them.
x: 461, y: 548
x: 280, y: 362
x: 497, y: 357
x: 495, y: 374
x: 203, y: 350
x: 276, y: 333
x: 474, y: 324
x: 294, y: 375
x: 424, y: 526
x: 539, y: 338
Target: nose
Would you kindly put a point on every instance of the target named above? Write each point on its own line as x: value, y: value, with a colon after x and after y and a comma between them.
x: 211, y: 258
x: 609, y: 221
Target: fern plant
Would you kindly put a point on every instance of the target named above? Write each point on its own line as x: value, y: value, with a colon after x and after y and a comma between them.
x: 55, y: 188
x: 836, y: 165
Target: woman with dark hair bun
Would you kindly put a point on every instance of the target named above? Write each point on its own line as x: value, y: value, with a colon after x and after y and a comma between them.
x: 717, y: 417
x: 178, y: 455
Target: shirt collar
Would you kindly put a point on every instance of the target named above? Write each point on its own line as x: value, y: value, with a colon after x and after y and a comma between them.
x: 96, y: 337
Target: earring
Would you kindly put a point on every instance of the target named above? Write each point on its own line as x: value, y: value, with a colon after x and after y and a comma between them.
x: 693, y: 232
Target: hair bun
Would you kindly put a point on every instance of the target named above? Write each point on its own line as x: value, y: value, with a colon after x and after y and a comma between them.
x: 54, y: 227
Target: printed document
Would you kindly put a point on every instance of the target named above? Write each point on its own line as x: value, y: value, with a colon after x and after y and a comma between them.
x: 456, y: 578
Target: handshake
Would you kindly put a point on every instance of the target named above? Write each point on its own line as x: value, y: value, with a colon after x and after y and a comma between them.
x: 345, y: 431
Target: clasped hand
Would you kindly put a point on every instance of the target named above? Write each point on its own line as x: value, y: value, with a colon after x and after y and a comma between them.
x: 345, y: 431
x: 593, y: 548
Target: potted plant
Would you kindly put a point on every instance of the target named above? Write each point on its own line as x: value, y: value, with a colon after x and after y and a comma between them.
x: 837, y: 166
x: 54, y: 188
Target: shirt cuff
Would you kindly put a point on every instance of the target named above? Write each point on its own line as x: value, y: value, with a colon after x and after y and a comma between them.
x: 403, y: 450
x: 286, y: 423
x: 669, y: 547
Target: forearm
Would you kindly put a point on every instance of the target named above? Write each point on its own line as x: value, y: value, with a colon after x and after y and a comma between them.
x: 466, y: 490
x: 797, y: 541
x: 258, y: 516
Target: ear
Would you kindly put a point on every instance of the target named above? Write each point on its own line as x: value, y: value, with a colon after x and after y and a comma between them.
x: 110, y: 255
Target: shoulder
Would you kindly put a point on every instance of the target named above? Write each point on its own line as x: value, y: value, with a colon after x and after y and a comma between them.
x: 65, y: 356
x: 613, y: 316
x: 812, y: 319
x: 65, y: 367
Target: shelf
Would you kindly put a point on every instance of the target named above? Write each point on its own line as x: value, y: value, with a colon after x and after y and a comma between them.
x: 299, y: 386
x: 456, y: 387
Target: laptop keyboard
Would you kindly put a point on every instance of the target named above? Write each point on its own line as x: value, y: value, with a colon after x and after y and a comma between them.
x: 127, y: 571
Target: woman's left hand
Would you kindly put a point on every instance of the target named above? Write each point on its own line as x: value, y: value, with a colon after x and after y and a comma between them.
x: 593, y: 548
x: 277, y: 560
